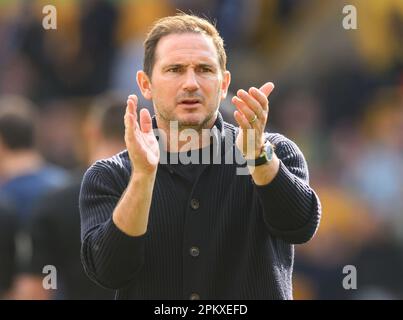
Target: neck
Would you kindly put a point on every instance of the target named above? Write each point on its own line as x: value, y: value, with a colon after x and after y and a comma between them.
x: 18, y: 163
x: 182, y: 139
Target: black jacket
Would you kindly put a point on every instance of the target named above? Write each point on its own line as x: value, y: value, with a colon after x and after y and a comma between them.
x: 225, y: 238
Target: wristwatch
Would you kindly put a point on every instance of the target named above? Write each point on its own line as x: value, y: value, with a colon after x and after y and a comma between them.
x: 265, y: 156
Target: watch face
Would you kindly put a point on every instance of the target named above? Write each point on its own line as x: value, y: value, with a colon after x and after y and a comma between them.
x: 269, y: 151
x: 265, y: 156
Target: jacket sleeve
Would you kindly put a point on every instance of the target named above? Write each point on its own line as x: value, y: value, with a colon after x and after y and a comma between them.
x: 291, y: 208
x: 110, y: 257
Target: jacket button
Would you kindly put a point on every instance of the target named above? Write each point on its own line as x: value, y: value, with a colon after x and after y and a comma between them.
x: 194, y: 204
x: 194, y: 296
x: 194, y: 251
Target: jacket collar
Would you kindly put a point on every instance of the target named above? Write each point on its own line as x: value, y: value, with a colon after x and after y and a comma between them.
x: 220, y: 148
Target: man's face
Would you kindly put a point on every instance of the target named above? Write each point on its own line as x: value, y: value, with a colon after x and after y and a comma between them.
x: 187, y: 83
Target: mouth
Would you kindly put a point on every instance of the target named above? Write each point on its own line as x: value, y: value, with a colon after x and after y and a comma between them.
x: 189, y: 102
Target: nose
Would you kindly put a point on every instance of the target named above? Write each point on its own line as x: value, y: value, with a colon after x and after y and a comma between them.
x: 190, y: 83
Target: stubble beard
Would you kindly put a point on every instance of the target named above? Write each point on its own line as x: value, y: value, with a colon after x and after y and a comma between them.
x: 182, y: 125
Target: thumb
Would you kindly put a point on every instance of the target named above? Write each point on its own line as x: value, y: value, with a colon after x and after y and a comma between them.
x: 267, y: 88
x: 145, y: 121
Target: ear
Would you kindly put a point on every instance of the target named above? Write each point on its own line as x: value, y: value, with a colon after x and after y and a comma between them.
x: 225, y: 84
x: 144, y: 84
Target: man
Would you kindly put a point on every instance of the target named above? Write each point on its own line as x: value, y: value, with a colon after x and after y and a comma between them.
x: 156, y: 229
x: 25, y: 177
x: 24, y: 174
x: 55, y: 224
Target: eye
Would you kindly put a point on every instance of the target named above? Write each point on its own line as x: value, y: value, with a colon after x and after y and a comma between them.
x: 205, y: 69
x: 174, y: 69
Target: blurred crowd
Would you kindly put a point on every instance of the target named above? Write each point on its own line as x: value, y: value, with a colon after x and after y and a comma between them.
x: 339, y: 96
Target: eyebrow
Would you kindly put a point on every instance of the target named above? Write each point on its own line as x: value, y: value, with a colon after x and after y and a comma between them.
x: 179, y: 65
x: 174, y: 65
x: 204, y: 65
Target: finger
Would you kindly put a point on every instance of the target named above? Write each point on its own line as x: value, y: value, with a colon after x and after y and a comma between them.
x: 132, y: 101
x: 267, y: 88
x: 260, y: 97
x: 252, y: 103
x: 132, y: 137
x: 243, y: 108
x: 241, y: 120
x: 145, y: 120
x: 129, y: 126
x: 130, y: 118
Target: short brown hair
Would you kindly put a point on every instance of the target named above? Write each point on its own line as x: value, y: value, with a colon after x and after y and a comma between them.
x: 107, y: 112
x: 17, y: 122
x: 180, y: 23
